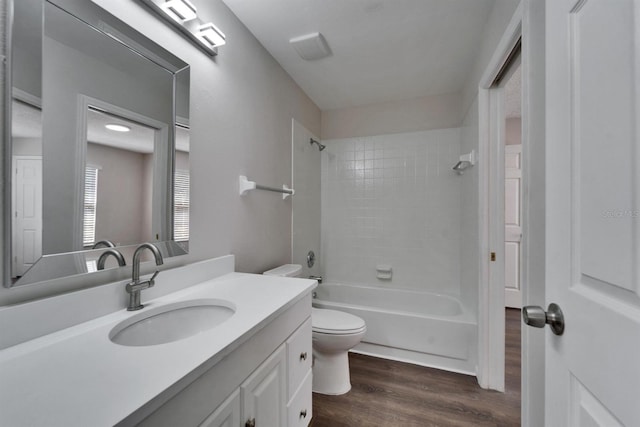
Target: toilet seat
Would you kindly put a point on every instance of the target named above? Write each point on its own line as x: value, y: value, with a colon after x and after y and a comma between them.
x: 333, y: 322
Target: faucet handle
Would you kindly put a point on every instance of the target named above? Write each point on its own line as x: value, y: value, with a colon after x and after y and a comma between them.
x: 152, y: 281
x: 140, y: 286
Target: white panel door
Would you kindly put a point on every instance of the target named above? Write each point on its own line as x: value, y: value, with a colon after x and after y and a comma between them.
x: 512, y: 224
x: 593, y: 213
x: 27, y: 213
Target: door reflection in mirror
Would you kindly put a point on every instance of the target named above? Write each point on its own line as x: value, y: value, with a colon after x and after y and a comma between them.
x: 26, y: 189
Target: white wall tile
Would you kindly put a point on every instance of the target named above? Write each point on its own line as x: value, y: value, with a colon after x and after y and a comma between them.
x: 393, y: 199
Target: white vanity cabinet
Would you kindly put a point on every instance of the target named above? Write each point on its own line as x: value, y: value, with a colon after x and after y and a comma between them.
x: 264, y: 382
x: 278, y: 393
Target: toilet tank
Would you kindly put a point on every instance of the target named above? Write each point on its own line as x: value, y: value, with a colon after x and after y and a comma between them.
x: 287, y: 270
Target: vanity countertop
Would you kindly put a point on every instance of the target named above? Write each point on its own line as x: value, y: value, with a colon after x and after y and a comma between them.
x: 77, y: 375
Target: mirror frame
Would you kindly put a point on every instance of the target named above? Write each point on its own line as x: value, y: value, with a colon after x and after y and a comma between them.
x: 57, y: 265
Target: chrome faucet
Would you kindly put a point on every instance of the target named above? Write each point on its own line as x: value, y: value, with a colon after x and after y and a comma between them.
x: 136, y: 286
x: 105, y: 243
x: 116, y: 254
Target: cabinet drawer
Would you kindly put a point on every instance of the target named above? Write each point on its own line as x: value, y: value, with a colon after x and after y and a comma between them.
x: 300, y: 408
x: 299, y: 356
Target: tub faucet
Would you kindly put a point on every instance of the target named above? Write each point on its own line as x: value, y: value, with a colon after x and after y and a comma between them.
x: 116, y: 254
x: 136, y: 286
x: 318, y: 278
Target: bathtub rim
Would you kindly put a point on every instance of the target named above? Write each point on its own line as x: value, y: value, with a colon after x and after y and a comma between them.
x: 466, y: 315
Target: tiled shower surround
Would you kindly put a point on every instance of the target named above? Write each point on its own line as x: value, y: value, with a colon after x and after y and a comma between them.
x: 394, y: 200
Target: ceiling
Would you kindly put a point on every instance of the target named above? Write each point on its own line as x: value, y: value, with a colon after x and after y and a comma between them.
x: 382, y: 50
x: 27, y: 123
x: 140, y: 138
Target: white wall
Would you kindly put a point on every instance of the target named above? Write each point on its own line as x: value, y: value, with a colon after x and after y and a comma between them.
x: 393, y: 199
x: 305, y: 221
x: 121, y: 194
x: 242, y: 103
x: 410, y: 115
x: 27, y: 147
x: 28, y: 57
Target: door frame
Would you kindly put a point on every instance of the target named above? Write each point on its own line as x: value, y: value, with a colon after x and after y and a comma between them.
x: 528, y: 22
x: 491, y: 322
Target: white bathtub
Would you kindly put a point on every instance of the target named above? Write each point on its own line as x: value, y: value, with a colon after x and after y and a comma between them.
x: 410, y: 326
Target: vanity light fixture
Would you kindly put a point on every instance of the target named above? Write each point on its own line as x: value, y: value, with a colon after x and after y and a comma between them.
x: 117, y: 128
x: 180, y: 10
x: 183, y: 16
x: 210, y: 35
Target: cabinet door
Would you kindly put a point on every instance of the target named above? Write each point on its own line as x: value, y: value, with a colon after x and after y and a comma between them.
x: 264, y: 393
x: 227, y: 414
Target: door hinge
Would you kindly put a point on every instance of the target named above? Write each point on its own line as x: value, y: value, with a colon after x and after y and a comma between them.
x: 493, y: 256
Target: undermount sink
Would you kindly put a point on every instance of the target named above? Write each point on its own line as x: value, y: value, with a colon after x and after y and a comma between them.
x: 171, y: 322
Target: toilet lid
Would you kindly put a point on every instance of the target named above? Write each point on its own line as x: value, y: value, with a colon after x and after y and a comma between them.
x: 333, y: 321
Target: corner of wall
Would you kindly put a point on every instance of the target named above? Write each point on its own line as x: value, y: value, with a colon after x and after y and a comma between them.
x: 497, y: 22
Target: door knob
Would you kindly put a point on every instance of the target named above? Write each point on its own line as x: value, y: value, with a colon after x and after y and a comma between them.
x: 535, y: 316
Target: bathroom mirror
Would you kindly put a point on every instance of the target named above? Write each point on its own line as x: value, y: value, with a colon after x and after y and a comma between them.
x: 98, y: 147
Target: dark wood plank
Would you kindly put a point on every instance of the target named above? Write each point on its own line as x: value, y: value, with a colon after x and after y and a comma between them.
x: 388, y: 393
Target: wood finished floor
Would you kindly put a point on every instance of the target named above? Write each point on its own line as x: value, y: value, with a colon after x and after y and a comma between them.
x: 387, y: 393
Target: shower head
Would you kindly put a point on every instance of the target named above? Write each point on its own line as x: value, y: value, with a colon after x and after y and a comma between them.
x: 320, y: 146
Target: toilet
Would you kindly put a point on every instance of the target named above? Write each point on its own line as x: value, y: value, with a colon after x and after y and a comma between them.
x: 334, y: 334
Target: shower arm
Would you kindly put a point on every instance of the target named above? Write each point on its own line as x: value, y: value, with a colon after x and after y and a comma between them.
x: 320, y: 146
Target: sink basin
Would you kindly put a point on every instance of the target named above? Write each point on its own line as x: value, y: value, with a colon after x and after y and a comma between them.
x: 171, y: 322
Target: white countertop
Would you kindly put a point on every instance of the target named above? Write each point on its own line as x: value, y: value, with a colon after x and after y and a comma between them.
x: 77, y: 376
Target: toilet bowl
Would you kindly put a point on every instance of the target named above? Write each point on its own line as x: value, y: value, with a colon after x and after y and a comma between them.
x: 334, y: 333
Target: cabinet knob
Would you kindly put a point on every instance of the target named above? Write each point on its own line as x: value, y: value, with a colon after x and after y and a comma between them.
x: 303, y: 413
x: 303, y: 356
x: 250, y: 423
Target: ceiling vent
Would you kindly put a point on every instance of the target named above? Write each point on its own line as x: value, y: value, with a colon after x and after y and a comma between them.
x: 311, y: 46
